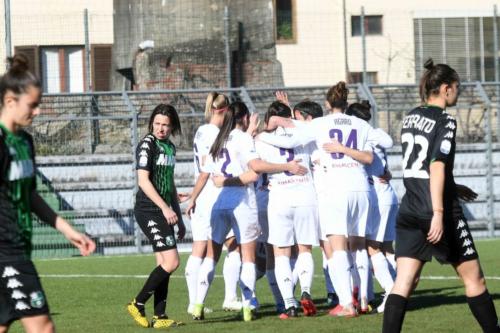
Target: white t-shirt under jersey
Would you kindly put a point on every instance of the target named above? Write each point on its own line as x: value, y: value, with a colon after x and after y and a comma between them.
x: 232, y: 162
x: 294, y: 190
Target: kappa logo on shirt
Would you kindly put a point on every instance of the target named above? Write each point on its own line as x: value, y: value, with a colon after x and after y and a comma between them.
x: 448, y: 135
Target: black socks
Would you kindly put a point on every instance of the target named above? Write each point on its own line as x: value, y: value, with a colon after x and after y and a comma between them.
x: 483, y: 309
x: 394, y: 313
x: 155, y: 281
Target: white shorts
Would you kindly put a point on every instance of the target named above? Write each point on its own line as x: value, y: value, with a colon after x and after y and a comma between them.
x: 293, y: 225
x: 388, y: 215
x: 264, y: 226
x: 243, y: 220
x: 345, y: 214
x: 200, y: 224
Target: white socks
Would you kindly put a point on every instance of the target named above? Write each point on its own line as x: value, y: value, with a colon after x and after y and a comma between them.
x: 283, y: 272
x: 231, y: 273
x: 341, y: 276
x: 381, y: 271
x: 191, y: 273
x: 305, y: 270
x: 205, y: 277
x: 247, y: 282
x: 362, y: 265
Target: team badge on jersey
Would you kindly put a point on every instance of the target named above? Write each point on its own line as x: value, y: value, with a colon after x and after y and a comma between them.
x: 445, y: 147
x: 37, y: 300
x: 170, y: 241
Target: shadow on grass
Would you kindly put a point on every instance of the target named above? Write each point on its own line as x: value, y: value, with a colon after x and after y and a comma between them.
x: 428, y: 298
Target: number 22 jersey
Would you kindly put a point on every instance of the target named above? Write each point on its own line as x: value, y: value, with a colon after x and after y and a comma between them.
x: 428, y: 135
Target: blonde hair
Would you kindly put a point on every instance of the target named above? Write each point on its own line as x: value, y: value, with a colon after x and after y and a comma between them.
x: 215, y: 101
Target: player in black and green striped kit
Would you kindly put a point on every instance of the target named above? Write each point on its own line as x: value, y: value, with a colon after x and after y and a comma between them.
x: 157, y: 211
x: 21, y: 294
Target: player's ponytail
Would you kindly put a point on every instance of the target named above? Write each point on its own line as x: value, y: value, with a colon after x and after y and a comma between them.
x: 337, y: 96
x: 360, y: 110
x: 235, y: 114
x: 434, y: 76
x: 18, y: 78
x: 215, y: 103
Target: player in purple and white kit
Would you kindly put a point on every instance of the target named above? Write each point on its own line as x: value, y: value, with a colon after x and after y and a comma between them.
x: 233, y: 154
x: 292, y: 215
x: 378, y: 228
x: 216, y: 105
x: 346, y: 144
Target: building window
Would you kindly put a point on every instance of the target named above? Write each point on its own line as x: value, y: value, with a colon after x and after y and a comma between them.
x: 285, y: 21
x: 63, y: 68
x: 357, y: 77
x: 372, y: 25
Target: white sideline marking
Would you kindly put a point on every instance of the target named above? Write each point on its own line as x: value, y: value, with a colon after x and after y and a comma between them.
x: 132, y: 276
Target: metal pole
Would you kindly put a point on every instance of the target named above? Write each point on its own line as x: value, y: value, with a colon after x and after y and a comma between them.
x: 91, y: 133
x: 481, y: 42
x: 443, y: 39
x: 346, y: 53
x: 226, y: 45
x: 134, y: 140
x: 87, y: 48
x: 363, y: 41
x: 8, y: 40
x: 495, y: 60
x: 490, y: 201
x: 420, y: 48
x: 467, y: 50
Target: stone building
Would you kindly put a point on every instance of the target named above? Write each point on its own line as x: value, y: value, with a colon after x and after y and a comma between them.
x: 189, y: 44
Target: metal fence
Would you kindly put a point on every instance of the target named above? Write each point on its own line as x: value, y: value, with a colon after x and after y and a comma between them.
x: 86, y: 142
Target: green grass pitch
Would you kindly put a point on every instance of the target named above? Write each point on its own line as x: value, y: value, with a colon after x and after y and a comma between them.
x: 96, y: 302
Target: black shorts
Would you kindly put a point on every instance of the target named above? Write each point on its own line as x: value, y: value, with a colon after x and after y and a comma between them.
x: 21, y: 294
x: 154, y: 225
x: 455, y: 246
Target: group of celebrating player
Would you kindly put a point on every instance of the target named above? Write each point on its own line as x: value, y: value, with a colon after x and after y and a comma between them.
x: 304, y: 180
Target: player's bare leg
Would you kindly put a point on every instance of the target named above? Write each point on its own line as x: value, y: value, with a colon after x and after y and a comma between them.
x: 478, y: 297
x: 38, y: 324
x: 395, y: 307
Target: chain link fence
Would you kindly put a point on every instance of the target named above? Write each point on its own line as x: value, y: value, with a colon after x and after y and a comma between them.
x: 86, y: 142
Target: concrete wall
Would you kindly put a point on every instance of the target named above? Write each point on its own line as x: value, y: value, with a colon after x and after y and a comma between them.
x: 189, y: 43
